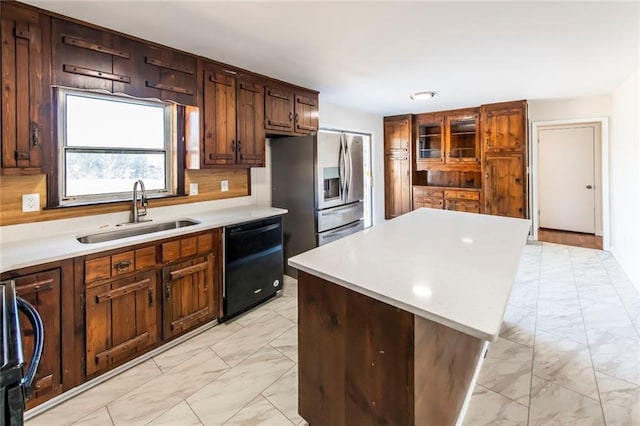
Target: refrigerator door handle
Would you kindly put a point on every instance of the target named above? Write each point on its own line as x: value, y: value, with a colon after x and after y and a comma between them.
x: 342, y: 169
x: 347, y: 152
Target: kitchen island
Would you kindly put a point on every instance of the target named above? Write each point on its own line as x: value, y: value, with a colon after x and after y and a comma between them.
x: 394, y: 320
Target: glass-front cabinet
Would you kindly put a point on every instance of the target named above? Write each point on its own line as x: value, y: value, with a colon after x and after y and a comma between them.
x: 429, y: 140
x: 463, y: 139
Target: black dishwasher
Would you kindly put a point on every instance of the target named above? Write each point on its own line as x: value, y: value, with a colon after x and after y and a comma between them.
x: 253, y: 264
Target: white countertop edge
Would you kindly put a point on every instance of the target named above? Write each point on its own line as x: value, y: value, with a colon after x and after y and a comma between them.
x: 486, y: 336
x: 36, y: 251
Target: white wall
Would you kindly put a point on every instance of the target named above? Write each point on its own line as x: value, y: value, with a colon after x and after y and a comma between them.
x: 334, y: 116
x: 566, y: 109
x: 625, y: 176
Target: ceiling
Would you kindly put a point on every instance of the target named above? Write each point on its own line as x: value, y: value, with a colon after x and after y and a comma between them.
x: 372, y: 55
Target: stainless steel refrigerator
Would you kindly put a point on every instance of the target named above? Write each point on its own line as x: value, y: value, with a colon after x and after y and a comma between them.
x: 320, y: 180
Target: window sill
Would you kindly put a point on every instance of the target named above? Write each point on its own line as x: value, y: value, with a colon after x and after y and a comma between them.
x: 112, y: 202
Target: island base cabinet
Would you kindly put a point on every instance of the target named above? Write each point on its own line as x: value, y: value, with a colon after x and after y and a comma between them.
x: 362, y: 361
x: 121, y: 320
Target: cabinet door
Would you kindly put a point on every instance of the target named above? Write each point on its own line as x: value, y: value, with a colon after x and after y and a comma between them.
x: 504, y: 129
x: 250, y: 122
x: 504, y: 186
x: 83, y: 57
x: 121, y: 320
x: 219, y: 118
x: 42, y: 290
x: 429, y: 141
x: 306, y: 113
x: 397, y: 167
x: 279, y: 109
x: 397, y: 185
x: 21, y: 89
x: 189, y: 294
x: 139, y: 66
x: 463, y: 139
x: 176, y: 76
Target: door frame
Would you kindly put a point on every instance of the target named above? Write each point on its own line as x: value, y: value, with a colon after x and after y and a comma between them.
x: 536, y: 126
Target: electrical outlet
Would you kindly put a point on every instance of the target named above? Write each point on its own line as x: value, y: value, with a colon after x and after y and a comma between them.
x: 224, y: 185
x: 30, y: 202
x: 193, y: 189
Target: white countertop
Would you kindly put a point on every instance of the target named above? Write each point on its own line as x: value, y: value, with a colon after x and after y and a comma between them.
x: 453, y: 268
x: 40, y: 244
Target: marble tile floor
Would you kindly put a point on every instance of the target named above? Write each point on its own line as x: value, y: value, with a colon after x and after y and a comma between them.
x: 568, y: 354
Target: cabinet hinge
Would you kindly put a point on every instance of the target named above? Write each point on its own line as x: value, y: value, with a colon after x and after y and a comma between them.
x: 83, y: 300
x: 83, y: 365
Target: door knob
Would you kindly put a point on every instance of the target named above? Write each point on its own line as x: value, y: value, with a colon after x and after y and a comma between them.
x: 589, y: 187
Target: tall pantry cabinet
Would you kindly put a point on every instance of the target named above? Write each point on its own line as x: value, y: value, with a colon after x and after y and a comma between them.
x: 397, y: 165
x: 471, y: 160
x: 504, y: 136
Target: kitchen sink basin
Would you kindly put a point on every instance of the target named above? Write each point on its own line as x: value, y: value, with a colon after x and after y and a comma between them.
x: 135, y: 230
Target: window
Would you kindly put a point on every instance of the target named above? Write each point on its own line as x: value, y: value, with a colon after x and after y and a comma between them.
x: 108, y: 142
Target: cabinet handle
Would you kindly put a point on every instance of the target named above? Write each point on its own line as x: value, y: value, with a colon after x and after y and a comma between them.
x: 486, y: 175
x: 35, y: 135
x: 297, y: 117
x: 239, y: 149
x: 290, y: 116
x: 167, y: 291
x: 150, y: 298
x: 122, y: 266
x: 233, y: 145
x: 589, y: 187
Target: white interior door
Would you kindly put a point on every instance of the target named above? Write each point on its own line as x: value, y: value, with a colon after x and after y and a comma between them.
x: 566, y: 179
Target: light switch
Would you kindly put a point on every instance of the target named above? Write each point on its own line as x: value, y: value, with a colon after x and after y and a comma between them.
x: 224, y: 185
x: 193, y: 189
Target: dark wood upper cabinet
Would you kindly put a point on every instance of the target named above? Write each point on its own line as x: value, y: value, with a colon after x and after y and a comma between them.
x: 233, y: 111
x: 83, y: 57
x: 279, y: 104
x: 306, y: 113
x: 21, y: 97
x: 463, y: 138
x: 504, y: 126
x: 429, y: 140
x: 290, y: 111
x: 219, y: 116
x: 249, y: 119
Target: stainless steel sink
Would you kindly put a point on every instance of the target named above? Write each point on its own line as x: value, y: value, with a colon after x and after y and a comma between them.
x: 135, y: 230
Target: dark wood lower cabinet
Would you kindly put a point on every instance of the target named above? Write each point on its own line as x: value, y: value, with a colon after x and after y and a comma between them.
x: 42, y: 290
x: 189, y: 294
x: 121, y: 320
x: 504, y: 186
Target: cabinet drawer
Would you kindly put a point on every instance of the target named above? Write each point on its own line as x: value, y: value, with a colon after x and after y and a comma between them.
x: 106, y: 267
x: 468, y: 206
x: 434, y: 203
x: 186, y: 247
x: 421, y: 191
x: 462, y: 195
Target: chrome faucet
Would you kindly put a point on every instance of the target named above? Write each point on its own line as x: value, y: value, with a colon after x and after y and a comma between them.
x: 136, y: 212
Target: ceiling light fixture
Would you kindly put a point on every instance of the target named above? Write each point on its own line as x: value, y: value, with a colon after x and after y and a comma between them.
x: 418, y: 96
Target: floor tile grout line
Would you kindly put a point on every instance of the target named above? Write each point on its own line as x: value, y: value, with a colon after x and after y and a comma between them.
x: 566, y: 388
x: 584, y: 324
x: 535, y: 329
x: 113, y: 422
x: 193, y: 411
x: 624, y: 306
x: 502, y: 395
x: 274, y: 406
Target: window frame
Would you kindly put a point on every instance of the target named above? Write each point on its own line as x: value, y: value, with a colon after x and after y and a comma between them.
x: 169, y: 150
